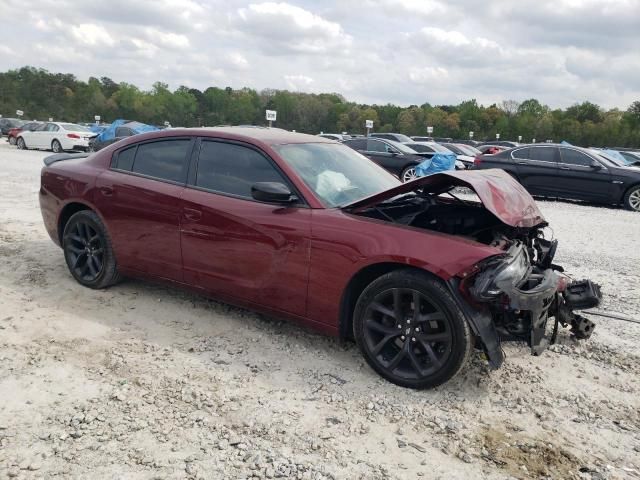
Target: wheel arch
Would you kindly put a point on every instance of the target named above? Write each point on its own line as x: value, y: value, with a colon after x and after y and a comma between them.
x: 67, y: 212
x: 627, y: 190
x: 356, y: 285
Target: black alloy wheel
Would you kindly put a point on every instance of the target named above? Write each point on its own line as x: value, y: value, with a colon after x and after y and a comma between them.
x: 88, y: 252
x: 411, y: 331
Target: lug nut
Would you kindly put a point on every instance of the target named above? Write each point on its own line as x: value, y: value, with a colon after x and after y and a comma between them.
x: 408, y: 321
x: 402, y: 337
x: 418, y: 330
x: 399, y: 326
x: 413, y: 339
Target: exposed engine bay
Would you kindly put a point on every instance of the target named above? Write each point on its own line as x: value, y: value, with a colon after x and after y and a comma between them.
x: 523, y: 292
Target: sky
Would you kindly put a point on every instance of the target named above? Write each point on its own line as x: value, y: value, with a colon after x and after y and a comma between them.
x: 371, y: 51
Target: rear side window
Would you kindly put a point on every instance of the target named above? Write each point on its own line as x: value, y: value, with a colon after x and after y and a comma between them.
x: 166, y: 159
x: 522, y: 153
x: 125, y: 158
x: 357, y: 144
x: 233, y: 169
x: 574, y: 157
x: 545, y: 154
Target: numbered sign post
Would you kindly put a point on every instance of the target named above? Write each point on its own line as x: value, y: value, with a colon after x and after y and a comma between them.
x: 471, y: 134
x: 369, y: 125
x: 19, y: 113
x: 97, y: 119
x: 271, y: 116
x: 497, y: 136
x: 429, y: 129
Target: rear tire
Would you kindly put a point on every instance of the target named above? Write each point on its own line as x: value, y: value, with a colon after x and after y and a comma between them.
x: 632, y: 199
x: 412, y: 347
x: 56, y: 147
x: 20, y: 143
x: 12, y: 140
x: 88, y: 251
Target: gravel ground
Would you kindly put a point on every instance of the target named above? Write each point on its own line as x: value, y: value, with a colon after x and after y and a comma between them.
x: 145, y: 381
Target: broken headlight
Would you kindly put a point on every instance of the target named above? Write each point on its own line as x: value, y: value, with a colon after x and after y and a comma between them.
x: 502, y: 275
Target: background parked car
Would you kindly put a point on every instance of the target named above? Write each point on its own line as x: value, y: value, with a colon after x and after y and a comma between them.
x: 13, y: 133
x: 563, y: 171
x: 396, y: 137
x: 422, y: 139
x: 56, y: 136
x: 491, y: 149
x: 392, y: 156
x: 463, y: 155
x: 7, y: 124
x: 118, y: 130
x: 501, y: 143
x: 335, y: 136
x: 428, y: 149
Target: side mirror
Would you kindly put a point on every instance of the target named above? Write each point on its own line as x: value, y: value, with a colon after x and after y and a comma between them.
x: 272, y: 192
x: 595, y: 165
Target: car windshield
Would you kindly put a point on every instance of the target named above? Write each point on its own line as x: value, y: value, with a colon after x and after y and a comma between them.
x: 606, y: 158
x: 74, y: 127
x: 469, y: 150
x: 454, y: 149
x: 337, y: 174
x: 402, y: 147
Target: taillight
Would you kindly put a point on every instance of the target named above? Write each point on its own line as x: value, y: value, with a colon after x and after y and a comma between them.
x: 477, y: 160
x: 73, y: 135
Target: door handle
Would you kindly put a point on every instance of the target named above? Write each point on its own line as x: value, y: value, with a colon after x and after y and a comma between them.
x: 565, y: 168
x: 522, y: 163
x: 106, y: 191
x: 192, y: 214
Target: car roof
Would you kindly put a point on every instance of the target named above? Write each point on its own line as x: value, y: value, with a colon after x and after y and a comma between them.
x: 270, y: 136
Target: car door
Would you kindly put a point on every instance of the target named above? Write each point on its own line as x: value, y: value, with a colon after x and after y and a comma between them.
x: 537, y: 167
x: 236, y: 247
x: 582, y: 177
x: 139, y: 198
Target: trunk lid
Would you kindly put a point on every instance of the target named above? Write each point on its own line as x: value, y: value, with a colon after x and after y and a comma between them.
x: 498, y: 191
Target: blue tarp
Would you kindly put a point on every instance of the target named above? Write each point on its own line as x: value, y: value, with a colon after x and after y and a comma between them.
x: 109, y: 133
x: 440, y: 162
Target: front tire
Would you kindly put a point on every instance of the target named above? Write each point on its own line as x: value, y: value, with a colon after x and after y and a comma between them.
x: 21, y: 144
x: 88, y: 251
x: 408, y: 174
x: 56, y: 147
x: 410, y: 330
x: 632, y: 199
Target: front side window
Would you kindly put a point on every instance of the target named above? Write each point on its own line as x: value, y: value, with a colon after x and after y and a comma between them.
x: 360, y: 144
x: 233, y: 169
x: 543, y: 154
x: 376, y: 146
x: 166, y: 159
x: 574, y: 157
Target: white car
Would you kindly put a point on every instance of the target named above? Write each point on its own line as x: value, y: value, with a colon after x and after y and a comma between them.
x: 56, y: 136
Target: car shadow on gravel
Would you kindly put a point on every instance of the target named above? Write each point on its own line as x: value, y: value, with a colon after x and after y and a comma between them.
x: 218, y: 334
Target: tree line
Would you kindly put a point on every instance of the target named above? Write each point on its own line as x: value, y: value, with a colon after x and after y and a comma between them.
x: 41, y: 95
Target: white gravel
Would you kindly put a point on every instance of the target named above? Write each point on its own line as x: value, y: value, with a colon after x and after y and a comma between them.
x: 144, y: 381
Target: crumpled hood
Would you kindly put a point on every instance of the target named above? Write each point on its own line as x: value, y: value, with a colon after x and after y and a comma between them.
x: 499, y: 192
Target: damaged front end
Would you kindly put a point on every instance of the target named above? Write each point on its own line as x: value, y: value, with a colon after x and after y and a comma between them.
x: 529, y: 296
x: 519, y: 294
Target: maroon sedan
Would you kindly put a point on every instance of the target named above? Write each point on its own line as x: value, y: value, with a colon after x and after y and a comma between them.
x: 306, y: 228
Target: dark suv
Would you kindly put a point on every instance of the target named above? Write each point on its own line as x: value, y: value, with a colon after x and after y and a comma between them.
x: 564, y: 171
x: 392, y: 156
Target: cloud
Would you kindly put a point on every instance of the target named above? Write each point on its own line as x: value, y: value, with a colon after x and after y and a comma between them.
x: 281, y: 28
x: 298, y: 82
x: 371, y: 51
